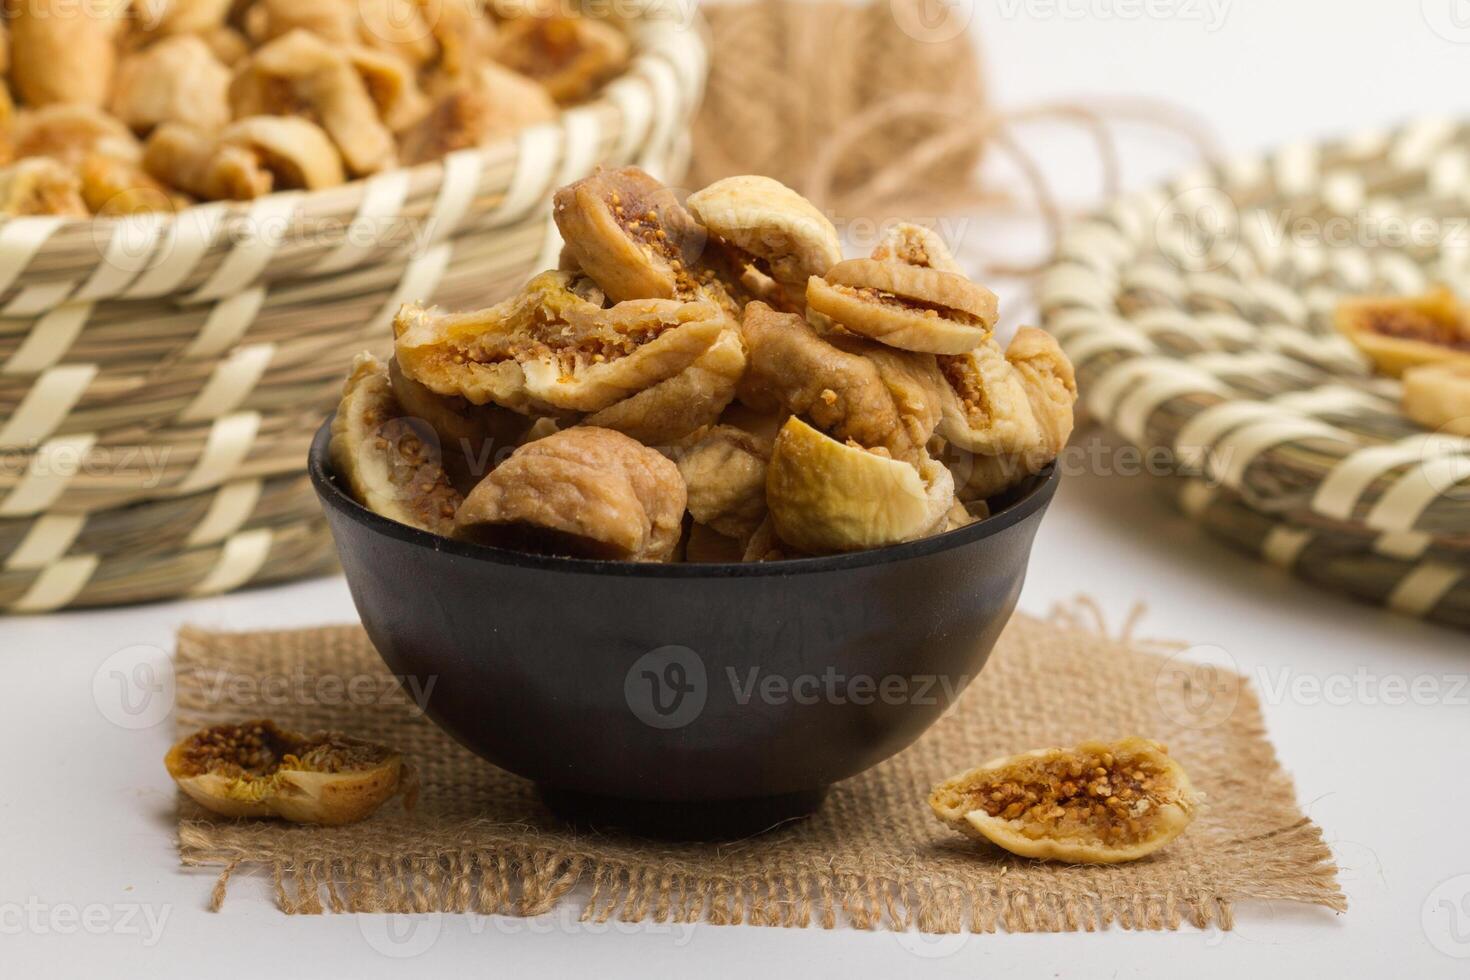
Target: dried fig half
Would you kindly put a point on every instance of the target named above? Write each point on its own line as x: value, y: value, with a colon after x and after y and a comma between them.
x: 1398, y: 332
x: 1016, y: 413
x: 1437, y: 396
x: 905, y: 306
x: 295, y: 152
x: 194, y: 161
x: 778, y: 228
x: 916, y: 245
x: 550, y: 347
x: 695, y: 397
x: 630, y: 234
x: 583, y: 492
x: 1095, y: 803
x: 829, y: 496
x: 570, y: 55
x: 256, y: 769
x: 472, y: 438
x: 391, y: 463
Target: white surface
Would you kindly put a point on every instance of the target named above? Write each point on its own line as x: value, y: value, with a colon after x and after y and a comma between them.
x: 89, y: 881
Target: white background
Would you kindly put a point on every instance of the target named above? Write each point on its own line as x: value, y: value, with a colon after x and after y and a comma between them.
x: 87, y: 861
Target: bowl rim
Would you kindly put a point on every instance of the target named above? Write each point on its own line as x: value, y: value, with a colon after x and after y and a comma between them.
x: 332, y: 495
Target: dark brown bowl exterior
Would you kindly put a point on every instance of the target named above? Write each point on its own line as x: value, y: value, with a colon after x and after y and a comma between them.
x: 679, y: 698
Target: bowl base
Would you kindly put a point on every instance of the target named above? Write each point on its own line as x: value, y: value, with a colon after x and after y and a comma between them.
x: 673, y: 820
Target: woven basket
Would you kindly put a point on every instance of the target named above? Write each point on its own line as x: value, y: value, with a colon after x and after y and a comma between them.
x: 1200, y: 318
x: 161, y: 377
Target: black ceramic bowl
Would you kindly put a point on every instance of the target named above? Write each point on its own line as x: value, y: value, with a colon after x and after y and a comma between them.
x: 693, y: 700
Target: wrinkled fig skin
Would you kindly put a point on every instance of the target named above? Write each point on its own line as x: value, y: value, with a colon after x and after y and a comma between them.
x: 842, y: 394
x: 582, y: 492
x: 724, y: 469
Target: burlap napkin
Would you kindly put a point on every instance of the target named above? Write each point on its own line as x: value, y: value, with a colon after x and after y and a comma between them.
x: 480, y: 841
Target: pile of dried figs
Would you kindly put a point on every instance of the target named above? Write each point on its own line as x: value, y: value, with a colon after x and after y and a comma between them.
x: 129, y: 106
x: 706, y: 380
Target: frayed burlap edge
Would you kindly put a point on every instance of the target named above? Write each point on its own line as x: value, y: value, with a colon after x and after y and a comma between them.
x: 513, y: 868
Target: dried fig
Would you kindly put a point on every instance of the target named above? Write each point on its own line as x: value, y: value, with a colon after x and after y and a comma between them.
x: 295, y: 152
x: 472, y: 438
x: 550, y: 347
x: 841, y: 393
x: 300, y: 74
x: 41, y: 185
x: 693, y: 398
x: 117, y: 187
x: 571, y: 56
x: 1096, y: 803
x: 391, y: 84
x: 1398, y: 332
x: 71, y: 133
x: 183, y: 157
x: 390, y: 462
x: 177, y: 79
x: 916, y: 245
x: 786, y: 236
x: 255, y: 769
x: 724, y: 470
x: 62, y: 51
x: 827, y: 496
x: 1019, y: 414
x: 628, y: 233
x: 905, y: 306
x: 490, y: 104
x: 1437, y: 396
x: 584, y: 492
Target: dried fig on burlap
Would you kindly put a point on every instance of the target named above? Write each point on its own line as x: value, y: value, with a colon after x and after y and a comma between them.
x: 1096, y: 803
x: 255, y: 769
x: 583, y: 492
